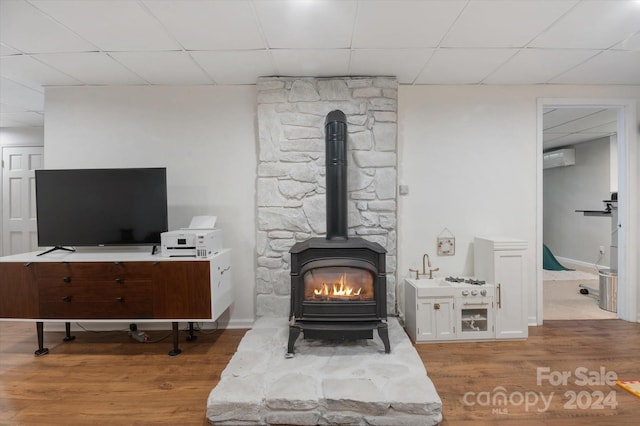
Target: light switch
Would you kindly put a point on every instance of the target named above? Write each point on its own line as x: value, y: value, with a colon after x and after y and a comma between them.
x: 403, y: 190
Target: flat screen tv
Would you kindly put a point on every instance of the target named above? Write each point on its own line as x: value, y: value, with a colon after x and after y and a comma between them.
x: 101, y: 207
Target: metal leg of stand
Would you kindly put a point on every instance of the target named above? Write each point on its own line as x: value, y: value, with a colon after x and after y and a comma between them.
x: 176, y: 350
x: 68, y: 337
x: 191, y: 337
x: 41, y: 349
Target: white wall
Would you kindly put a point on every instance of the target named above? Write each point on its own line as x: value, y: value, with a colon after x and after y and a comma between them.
x: 21, y: 136
x: 582, y: 186
x: 204, y: 136
x: 468, y: 155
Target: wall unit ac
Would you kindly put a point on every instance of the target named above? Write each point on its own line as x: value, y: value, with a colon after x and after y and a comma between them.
x: 559, y: 158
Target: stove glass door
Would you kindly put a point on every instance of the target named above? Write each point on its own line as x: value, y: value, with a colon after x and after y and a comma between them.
x: 338, y: 284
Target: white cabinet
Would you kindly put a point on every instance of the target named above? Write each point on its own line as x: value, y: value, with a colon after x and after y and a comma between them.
x: 449, y: 312
x: 502, y: 261
x: 434, y: 319
x: 429, y: 311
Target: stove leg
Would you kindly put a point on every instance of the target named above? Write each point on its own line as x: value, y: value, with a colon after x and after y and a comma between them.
x: 383, y: 332
x: 294, y: 332
x: 41, y: 349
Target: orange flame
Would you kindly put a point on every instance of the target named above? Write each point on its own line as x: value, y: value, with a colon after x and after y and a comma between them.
x: 337, y: 289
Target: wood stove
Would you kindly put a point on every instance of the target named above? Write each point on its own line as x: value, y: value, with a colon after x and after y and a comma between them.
x: 338, y: 284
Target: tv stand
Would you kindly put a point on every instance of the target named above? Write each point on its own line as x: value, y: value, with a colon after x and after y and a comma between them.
x: 52, y: 249
x: 114, y: 286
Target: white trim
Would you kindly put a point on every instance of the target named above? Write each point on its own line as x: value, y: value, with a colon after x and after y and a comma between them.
x: 627, y: 194
x: 588, y: 265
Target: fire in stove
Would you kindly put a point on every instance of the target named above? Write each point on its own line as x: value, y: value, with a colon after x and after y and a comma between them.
x: 338, y: 291
x: 327, y: 284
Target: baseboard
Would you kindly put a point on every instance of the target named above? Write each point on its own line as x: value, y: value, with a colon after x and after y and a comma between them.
x: 532, y: 321
x: 580, y: 263
x: 222, y: 323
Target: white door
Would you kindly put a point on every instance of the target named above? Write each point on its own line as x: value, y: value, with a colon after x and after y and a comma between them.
x: 19, y: 198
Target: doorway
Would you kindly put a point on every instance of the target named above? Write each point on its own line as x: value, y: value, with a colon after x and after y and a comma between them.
x: 627, y: 222
x: 19, y: 232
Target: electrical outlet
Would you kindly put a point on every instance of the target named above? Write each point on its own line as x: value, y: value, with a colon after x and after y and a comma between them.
x: 601, y: 249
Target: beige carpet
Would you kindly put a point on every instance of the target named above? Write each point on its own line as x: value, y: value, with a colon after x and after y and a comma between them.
x: 569, y: 275
x: 562, y: 300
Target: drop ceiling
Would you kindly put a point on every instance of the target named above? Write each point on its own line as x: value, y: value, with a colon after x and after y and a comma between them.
x: 205, y: 42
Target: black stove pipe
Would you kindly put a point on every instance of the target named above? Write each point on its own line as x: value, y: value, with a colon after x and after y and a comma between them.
x: 335, y: 127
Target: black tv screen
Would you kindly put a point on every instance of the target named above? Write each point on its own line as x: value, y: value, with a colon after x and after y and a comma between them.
x: 101, y: 207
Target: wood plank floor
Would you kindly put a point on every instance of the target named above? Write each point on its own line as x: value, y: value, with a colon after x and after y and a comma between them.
x: 109, y: 379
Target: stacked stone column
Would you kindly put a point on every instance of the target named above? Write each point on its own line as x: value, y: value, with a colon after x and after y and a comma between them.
x: 291, y: 200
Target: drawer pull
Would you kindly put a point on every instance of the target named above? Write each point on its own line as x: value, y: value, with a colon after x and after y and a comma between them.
x: 66, y: 299
x: 120, y: 299
x: 119, y: 280
x: 66, y: 279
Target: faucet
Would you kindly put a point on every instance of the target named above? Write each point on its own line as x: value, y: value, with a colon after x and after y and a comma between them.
x: 431, y: 272
x: 417, y: 273
x: 424, y: 267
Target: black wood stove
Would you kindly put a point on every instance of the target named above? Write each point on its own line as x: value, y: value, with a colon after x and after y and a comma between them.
x: 338, y: 284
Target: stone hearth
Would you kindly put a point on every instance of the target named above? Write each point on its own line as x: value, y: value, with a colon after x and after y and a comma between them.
x: 345, y: 383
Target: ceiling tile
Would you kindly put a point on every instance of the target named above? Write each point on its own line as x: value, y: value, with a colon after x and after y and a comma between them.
x: 19, y: 97
x: 163, y: 67
x: 570, y: 139
x: 25, y: 28
x: 554, y: 117
x: 22, y: 119
x: 93, y: 68
x: 534, y: 66
x: 6, y: 50
x: 593, y: 25
x: 609, y: 67
x: 237, y: 67
x: 404, y: 24
x: 404, y: 64
x: 504, y: 23
x: 112, y: 25
x: 631, y: 43
x: 29, y: 72
x: 307, y: 24
x: 462, y: 66
x: 311, y: 62
x: 209, y: 25
x: 587, y: 123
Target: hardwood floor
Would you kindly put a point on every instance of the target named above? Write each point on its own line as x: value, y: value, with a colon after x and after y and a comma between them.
x: 109, y: 379
x: 477, y: 369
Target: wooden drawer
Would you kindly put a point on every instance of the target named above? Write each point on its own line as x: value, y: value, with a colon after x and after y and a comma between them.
x: 93, y: 271
x: 96, y: 300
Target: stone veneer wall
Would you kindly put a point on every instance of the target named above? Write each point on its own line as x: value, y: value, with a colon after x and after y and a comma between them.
x: 291, y: 172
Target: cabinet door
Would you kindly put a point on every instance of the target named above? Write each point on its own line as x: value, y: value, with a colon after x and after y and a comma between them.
x: 182, y: 290
x: 435, y: 319
x: 18, y: 291
x: 511, y: 309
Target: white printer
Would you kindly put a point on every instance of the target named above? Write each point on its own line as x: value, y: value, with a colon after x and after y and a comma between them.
x: 199, y: 240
